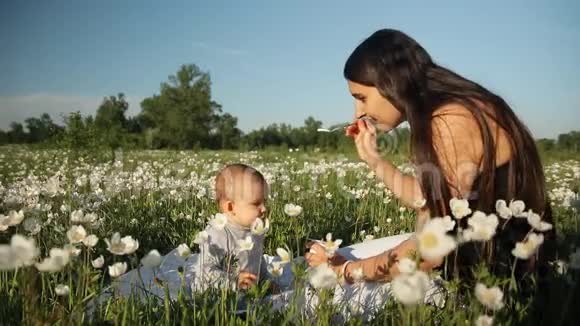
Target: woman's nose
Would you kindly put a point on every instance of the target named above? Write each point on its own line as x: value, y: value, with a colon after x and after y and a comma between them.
x: 358, y: 110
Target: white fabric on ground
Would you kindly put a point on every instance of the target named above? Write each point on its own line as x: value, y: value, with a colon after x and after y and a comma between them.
x: 363, y: 298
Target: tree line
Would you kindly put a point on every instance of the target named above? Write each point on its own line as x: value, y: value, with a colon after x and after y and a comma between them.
x: 184, y: 116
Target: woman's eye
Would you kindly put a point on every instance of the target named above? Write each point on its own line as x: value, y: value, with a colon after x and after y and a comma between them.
x: 359, y: 97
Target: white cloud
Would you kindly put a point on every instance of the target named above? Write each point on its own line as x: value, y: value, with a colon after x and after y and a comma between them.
x: 19, y: 107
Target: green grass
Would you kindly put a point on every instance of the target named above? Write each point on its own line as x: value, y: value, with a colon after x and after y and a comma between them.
x: 148, y: 194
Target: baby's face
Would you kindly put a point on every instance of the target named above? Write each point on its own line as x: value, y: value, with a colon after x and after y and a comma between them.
x: 249, y: 203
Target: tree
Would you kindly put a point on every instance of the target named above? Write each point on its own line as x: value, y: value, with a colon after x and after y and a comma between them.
x: 111, y: 122
x: 3, y: 137
x: 545, y: 144
x: 310, y: 132
x: 569, y: 141
x: 79, y: 132
x: 183, y: 115
x: 16, y: 134
x: 111, y: 112
x: 226, y: 132
x: 41, y: 129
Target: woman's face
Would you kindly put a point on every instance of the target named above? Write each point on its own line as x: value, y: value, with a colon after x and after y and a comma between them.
x: 370, y: 103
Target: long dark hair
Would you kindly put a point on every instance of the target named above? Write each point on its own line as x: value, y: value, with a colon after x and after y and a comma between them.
x: 406, y: 75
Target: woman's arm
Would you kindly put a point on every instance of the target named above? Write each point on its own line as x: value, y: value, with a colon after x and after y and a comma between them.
x: 382, y: 267
x: 458, y: 146
x: 405, y: 187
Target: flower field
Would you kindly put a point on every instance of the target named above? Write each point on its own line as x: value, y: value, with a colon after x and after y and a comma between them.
x: 71, y: 224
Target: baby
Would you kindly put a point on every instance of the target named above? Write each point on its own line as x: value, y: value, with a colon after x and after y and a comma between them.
x: 233, y: 251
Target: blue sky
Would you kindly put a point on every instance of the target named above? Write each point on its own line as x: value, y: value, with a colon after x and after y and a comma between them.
x: 280, y: 61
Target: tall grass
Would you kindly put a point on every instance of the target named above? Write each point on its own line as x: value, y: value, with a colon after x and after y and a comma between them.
x: 163, y: 198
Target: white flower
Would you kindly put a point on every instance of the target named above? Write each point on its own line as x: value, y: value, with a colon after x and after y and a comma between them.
x: 517, y: 207
x: 369, y: 237
x: 117, y: 269
x: 246, y: 244
x: 284, y: 255
x: 292, y: 210
x: 152, y: 259
x: 122, y: 246
x: 131, y: 245
x: 410, y: 289
x: 527, y: 248
x: 72, y: 250
x: 259, y: 227
x: 276, y: 269
x: 535, y: 221
x: 433, y: 241
x: 90, y: 218
x: 76, y: 234
x: 575, y: 259
x: 91, y: 240
x: 99, y: 262
x: 15, y: 218
x: 32, y: 225
x: 491, y: 298
x: 57, y: 260
x: 61, y: 290
x: 330, y: 245
x: 459, y: 208
x: 560, y: 266
x: 201, y: 237
x: 76, y: 216
x: 52, y: 186
x: 407, y: 266
x: 6, y: 258
x: 24, y: 250
x: 183, y: 250
x: 4, y: 223
x: 219, y: 221
x: 322, y: 277
x: 357, y: 275
x: 445, y: 222
x: 502, y: 209
x: 482, y: 227
x: 484, y: 320
x: 419, y: 203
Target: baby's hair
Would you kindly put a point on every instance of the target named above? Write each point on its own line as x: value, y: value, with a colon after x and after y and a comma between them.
x: 233, y: 177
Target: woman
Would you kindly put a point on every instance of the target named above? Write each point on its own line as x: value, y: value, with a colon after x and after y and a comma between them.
x: 466, y: 142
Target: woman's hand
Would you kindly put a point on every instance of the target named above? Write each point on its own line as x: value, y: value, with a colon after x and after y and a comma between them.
x: 365, y: 139
x: 317, y: 256
x: 246, y: 280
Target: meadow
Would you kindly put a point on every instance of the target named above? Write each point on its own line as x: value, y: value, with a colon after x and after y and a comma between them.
x: 162, y: 199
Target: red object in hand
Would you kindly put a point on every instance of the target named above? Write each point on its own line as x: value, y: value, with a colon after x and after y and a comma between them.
x: 352, y: 130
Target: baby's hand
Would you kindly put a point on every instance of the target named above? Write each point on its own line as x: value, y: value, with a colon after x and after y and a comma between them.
x: 246, y: 280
